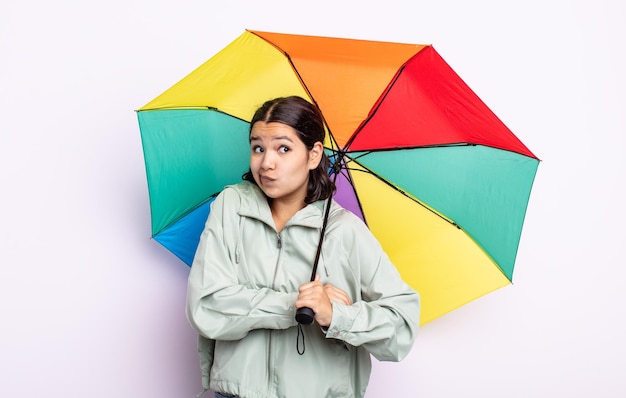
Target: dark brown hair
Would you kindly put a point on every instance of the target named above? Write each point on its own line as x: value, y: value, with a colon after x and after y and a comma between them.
x: 306, y: 119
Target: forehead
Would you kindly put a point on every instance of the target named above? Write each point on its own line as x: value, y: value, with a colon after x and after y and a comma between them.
x: 273, y: 130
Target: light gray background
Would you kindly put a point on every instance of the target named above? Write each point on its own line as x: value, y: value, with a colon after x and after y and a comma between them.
x: 92, y: 307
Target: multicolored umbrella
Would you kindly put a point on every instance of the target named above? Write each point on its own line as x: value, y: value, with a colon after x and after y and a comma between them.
x: 440, y: 181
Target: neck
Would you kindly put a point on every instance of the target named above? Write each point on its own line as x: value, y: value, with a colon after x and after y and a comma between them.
x: 282, y: 211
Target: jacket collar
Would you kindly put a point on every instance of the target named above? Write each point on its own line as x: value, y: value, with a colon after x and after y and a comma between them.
x: 254, y: 205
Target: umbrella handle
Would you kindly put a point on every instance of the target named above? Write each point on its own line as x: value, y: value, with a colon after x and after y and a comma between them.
x: 305, y: 315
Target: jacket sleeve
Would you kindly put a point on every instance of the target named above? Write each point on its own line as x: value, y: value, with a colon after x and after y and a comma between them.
x: 386, y: 319
x: 218, y: 307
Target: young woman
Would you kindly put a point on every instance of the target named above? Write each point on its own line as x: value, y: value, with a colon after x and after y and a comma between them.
x: 252, y: 269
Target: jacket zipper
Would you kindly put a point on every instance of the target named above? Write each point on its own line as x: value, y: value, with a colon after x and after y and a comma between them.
x: 279, y: 245
x: 270, y: 362
x: 270, y: 365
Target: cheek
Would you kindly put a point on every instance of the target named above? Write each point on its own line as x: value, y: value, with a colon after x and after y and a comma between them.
x: 254, y: 164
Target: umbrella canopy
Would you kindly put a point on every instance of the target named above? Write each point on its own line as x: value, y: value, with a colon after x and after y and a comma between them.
x: 440, y: 181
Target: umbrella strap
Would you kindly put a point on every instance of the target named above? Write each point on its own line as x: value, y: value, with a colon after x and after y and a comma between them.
x: 300, y: 338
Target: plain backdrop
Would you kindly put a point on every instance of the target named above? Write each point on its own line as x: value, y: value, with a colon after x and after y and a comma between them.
x: 90, y: 306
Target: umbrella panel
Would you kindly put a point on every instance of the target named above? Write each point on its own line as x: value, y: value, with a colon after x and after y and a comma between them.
x: 183, y: 236
x: 237, y: 80
x: 428, y: 104
x: 190, y: 155
x: 438, y: 259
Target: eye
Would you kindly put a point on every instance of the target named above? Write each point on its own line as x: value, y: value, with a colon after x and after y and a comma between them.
x: 257, y: 149
x: 283, y: 149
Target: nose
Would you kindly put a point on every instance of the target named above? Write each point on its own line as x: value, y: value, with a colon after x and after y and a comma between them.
x: 268, y: 161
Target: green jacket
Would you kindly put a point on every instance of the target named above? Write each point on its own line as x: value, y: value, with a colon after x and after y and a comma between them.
x: 243, y: 285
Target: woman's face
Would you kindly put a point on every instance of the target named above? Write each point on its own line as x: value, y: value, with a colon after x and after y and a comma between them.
x: 280, y: 162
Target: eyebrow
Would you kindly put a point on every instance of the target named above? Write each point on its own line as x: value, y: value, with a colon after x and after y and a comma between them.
x: 277, y: 138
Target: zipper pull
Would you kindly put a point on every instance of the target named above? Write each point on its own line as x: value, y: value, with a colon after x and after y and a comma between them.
x: 280, y: 241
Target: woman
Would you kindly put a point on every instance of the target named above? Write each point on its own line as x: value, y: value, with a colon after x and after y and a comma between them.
x: 255, y: 256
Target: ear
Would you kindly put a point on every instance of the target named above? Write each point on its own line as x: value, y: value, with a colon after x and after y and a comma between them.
x: 315, y: 155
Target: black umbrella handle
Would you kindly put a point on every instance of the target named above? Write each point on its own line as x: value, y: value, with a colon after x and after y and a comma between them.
x: 305, y: 315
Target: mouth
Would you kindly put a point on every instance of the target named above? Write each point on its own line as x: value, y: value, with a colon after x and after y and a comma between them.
x: 267, y: 180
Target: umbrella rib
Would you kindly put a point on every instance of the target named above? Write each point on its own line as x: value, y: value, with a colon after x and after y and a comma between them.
x: 191, y: 210
x: 402, y: 148
x: 198, y: 108
x: 431, y: 146
x: 377, y: 104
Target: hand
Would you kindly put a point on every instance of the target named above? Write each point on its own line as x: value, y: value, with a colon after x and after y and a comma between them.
x: 318, y: 297
x: 336, y: 294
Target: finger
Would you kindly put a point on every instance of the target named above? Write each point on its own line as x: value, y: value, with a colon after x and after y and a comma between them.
x: 312, y: 301
x: 313, y: 293
x: 310, y: 285
x: 340, y: 298
x: 336, y: 294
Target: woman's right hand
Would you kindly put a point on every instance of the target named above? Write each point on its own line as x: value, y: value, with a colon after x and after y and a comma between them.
x: 319, y: 298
